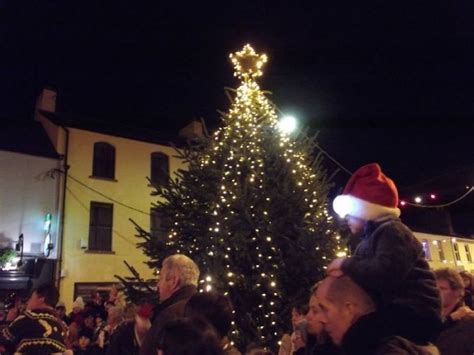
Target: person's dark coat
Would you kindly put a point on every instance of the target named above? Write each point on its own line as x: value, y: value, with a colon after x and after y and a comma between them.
x: 389, y: 264
x: 171, y: 308
x: 367, y: 337
x: 457, y: 336
x: 123, y: 340
x: 312, y: 347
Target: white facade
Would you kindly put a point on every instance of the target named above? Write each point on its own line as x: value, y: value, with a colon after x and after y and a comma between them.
x: 27, y: 195
x: 445, y: 251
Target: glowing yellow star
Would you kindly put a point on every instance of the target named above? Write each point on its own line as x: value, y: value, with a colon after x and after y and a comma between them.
x: 247, y: 63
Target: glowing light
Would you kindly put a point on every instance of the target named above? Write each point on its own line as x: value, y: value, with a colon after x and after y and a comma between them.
x: 403, y: 203
x: 433, y: 196
x: 418, y: 199
x: 341, y: 254
x: 287, y: 124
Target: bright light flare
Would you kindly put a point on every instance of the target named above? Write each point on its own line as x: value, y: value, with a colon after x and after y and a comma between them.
x: 287, y: 124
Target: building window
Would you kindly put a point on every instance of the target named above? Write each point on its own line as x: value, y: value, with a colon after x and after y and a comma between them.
x: 160, y: 168
x: 440, y: 250
x: 100, y: 226
x: 104, y: 160
x: 159, y: 224
x: 426, y: 249
x: 457, y: 255
x: 468, y: 253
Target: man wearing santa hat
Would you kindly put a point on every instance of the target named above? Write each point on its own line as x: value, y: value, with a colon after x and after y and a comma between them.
x: 389, y: 263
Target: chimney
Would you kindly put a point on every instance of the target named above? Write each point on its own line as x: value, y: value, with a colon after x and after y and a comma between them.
x: 193, y: 130
x: 46, y: 102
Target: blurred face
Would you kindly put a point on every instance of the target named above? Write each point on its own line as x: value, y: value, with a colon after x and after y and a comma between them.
x: 314, y: 325
x: 167, y: 284
x: 84, y: 342
x: 356, y: 225
x: 142, y: 324
x: 336, y: 318
x: 466, y: 281
x: 61, y: 312
x: 449, y: 296
x: 35, y: 301
x: 89, y: 322
x: 296, y: 317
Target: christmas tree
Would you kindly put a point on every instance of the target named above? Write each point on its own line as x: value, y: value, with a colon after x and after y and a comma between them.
x: 251, y: 210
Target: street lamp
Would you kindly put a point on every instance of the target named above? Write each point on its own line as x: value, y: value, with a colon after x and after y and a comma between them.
x: 287, y: 124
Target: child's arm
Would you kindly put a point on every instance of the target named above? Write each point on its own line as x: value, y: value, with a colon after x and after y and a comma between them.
x: 394, y: 254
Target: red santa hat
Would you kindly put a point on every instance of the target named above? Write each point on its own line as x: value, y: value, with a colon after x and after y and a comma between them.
x: 369, y: 195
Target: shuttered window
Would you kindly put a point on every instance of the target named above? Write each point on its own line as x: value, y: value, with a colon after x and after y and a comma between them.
x: 100, y: 226
x: 160, y: 168
x: 104, y: 160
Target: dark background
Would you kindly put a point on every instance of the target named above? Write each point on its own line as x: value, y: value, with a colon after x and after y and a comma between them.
x: 384, y: 81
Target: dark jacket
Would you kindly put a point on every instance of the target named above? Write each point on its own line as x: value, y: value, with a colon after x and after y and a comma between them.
x: 312, y: 347
x: 123, y: 340
x: 457, y: 337
x: 389, y: 264
x: 367, y: 337
x: 171, y: 308
x: 37, y: 331
x: 401, y: 346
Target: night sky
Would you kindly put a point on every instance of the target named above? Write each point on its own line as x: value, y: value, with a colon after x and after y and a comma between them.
x: 385, y: 81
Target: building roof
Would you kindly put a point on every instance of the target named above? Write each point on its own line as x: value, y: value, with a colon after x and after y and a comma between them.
x: 26, y: 136
x: 117, y: 129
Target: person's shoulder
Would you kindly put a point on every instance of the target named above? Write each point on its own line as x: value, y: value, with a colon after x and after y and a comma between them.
x: 397, y: 345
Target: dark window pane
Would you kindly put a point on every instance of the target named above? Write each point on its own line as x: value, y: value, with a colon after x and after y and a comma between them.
x: 160, y: 168
x: 159, y: 224
x: 104, y: 160
x: 100, y: 226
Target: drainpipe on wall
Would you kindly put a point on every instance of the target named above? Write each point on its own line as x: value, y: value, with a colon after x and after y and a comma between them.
x: 64, y: 174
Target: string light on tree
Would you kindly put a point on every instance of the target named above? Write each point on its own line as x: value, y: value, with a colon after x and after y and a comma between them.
x: 252, y: 199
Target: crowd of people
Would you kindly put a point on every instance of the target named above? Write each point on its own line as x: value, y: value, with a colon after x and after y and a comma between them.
x: 384, y: 299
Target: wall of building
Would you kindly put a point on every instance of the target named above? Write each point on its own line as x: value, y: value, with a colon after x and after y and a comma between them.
x: 27, y: 194
x: 445, y: 251
x: 130, y: 187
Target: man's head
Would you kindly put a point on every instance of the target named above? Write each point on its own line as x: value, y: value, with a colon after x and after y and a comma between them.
x: 369, y: 194
x: 177, y: 271
x: 451, y: 287
x: 45, y: 296
x: 342, y: 302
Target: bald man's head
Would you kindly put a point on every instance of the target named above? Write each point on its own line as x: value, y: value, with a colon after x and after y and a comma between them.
x: 342, y: 303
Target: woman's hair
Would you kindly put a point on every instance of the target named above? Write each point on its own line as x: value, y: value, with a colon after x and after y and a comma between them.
x: 188, y: 336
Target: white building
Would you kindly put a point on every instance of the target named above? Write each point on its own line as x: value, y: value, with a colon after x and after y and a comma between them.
x: 446, y: 251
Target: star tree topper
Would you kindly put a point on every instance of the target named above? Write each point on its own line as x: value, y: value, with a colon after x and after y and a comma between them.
x: 247, y: 63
